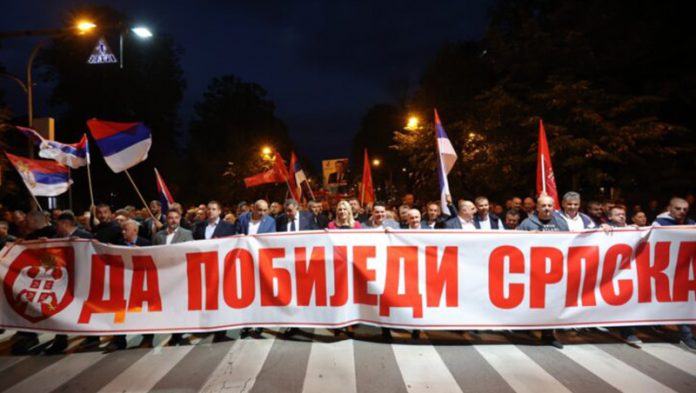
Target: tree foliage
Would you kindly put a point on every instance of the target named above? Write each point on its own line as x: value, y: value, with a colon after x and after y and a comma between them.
x: 232, y: 123
x: 610, y: 81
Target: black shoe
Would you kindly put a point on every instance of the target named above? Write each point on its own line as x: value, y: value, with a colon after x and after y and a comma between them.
x: 90, y: 342
x: 415, y: 334
x: 386, y: 334
x: 221, y: 336
x: 291, y: 332
x: 146, y: 342
x: 23, y: 343
x: 689, y: 342
x: 245, y: 332
x: 178, y: 339
x: 60, y: 343
x: 550, y: 339
x: 257, y: 333
x: 117, y: 343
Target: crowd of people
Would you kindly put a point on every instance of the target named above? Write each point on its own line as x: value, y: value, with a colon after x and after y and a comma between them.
x: 133, y: 227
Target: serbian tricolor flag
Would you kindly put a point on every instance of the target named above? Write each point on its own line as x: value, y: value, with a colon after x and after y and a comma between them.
x: 297, y: 175
x: 446, y: 157
x: 74, y: 155
x: 367, y: 191
x: 123, y: 145
x: 42, y: 177
x: 546, y: 182
x: 165, y: 196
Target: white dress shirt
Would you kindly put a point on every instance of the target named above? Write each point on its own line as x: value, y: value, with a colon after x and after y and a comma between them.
x: 210, y: 229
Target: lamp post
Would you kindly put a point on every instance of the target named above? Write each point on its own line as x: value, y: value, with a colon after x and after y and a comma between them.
x: 140, y: 31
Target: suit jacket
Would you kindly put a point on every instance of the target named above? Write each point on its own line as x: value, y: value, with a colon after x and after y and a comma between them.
x: 140, y: 242
x: 222, y: 229
x: 81, y: 233
x: 306, y: 222
x: 454, y: 223
x: 181, y: 235
x: 321, y: 221
x: 267, y: 225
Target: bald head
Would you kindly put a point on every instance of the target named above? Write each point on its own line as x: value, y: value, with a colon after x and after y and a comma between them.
x: 467, y: 209
x: 545, y: 207
x: 414, y: 219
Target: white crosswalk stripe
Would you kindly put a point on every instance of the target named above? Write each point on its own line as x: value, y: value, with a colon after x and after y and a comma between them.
x: 238, y: 370
x: 671, y: 354
x: 147, y: 371
x: 423, y: 369
x: 612, y: 370
x: 521, y: 372
x: 331, y: 366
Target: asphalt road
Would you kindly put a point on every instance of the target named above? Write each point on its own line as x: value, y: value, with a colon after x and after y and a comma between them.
x: 316, y: 361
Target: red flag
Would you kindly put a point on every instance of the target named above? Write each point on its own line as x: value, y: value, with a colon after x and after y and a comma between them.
x: 270, y: 176
x: 277, y: 174
x: 367, y: 192
x: 292, y: 181
x: 546, y: 182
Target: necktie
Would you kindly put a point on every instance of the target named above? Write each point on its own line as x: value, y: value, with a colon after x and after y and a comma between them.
x: 292, y: 226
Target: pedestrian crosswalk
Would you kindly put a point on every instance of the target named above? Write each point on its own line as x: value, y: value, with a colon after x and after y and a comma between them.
x: 316, y: 361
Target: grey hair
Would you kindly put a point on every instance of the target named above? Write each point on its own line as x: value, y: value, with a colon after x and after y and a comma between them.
x: 571, y: 195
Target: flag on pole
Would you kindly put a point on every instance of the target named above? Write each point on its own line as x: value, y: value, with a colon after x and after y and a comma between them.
x: 447, y: 156
x: 277, y: 174
x: 165, y: 196
x: 42, y: 177
x: 546, y: 182
x: 123, y: 144
x: 74, y: 155
x: 297, y: 175
x: 367, y: 191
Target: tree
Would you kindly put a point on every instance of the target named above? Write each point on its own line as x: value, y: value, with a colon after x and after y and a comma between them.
x: 609, y: 79
x: 232, y: 123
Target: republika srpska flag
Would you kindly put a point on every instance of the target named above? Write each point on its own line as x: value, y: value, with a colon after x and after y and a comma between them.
x: 546, y: 181
x: 74, y: 155
x: 446, y: 157
x: 296, y: 176
x: 123, y: 144
x: 165, y: 196
x: 42, y: 177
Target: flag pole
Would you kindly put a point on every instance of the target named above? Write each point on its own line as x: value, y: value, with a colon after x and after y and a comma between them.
x: 70, y: 188
x: 543, y: 175
x: 36, y: 201
x: 89, y: 181
x: 141, y: 196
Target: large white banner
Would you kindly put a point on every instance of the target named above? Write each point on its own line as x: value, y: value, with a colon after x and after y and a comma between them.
x: 411, y: 279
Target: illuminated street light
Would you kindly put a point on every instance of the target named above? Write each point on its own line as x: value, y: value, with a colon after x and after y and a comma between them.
x: 412, y: 123
x: 142, y: 32
x: 376, y: 162
x: 85, y: 26
x: 266, y: 151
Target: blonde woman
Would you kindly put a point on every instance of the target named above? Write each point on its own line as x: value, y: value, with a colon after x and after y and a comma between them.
x: 344, y: 217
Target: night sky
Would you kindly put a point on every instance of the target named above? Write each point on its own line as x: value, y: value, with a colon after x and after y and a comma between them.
x: 324, y: 63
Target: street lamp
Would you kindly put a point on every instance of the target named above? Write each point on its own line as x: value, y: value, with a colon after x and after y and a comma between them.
x: 142, y: 32
x: 376, y: 162
x: 82, y: 27
x: 413, y: 123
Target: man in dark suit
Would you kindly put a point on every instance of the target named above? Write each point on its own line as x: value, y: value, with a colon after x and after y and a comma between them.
x: 129, y: 230
x: 256, y: 221
x: 321, y: 220
x: 294, y: 220
x: 339, y: 179
x: 66, y: 226
x: 214, y: 226
x: 107, y: 231
x: 465, y: 217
